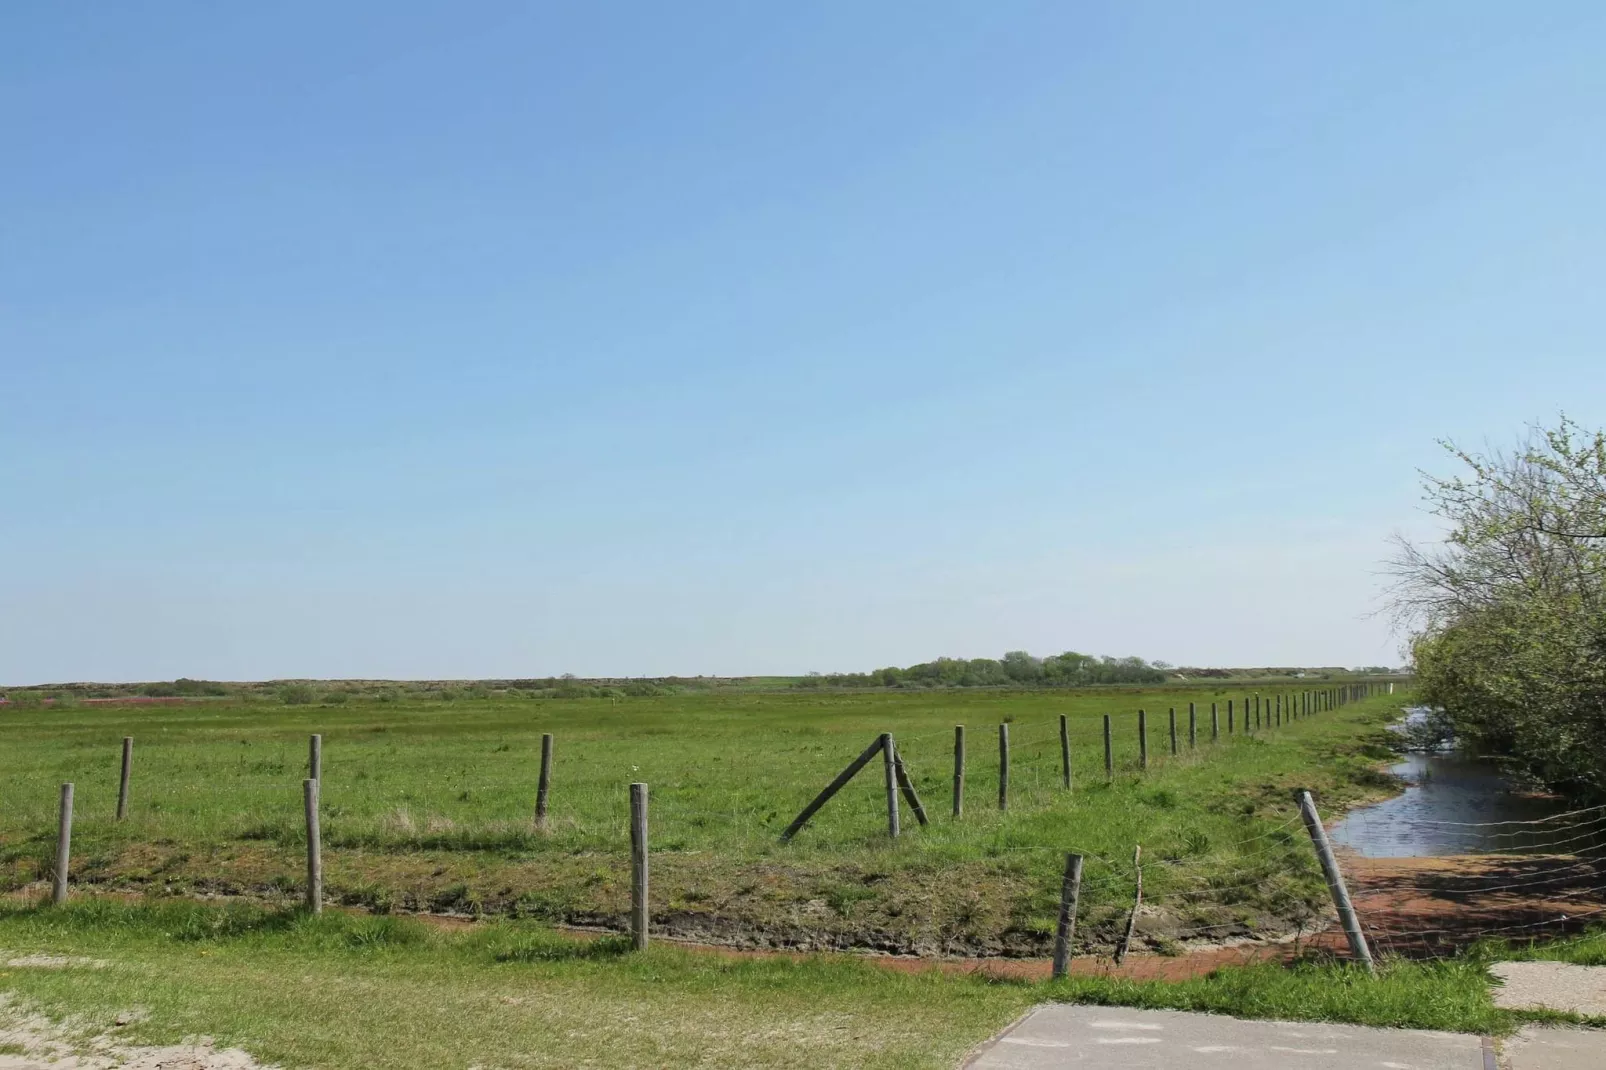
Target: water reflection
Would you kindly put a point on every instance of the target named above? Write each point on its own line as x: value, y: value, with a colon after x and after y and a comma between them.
x: 1447, y: 810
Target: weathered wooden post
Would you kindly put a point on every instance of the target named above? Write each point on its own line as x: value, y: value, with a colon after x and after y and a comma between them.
x: 959, y: 770
x: 907, y: 786
x: 1143, y: 739
x: 315, y: 757
x: 889, y: 760
x: 1215, y: 723
x: 836, y: 785
x: 1172, y: 717
x: 1137, y: 904
x: 122, y: 783
x: 1065, y: 930
x: 1231, y: 719
x: 309, y: 798
x: 1065, y: 753
x: 543, y: 786
x: 1003, y: 766
x: 1193, y: 727
x: 1109, y: 752
x: 1335, y: 880
x: 639, y: 913
x: 58, y: 892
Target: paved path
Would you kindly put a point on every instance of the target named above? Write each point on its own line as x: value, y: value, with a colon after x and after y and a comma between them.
x: 1114, y: 1038
x: 1557, y: 986
x: 1560, y: 1048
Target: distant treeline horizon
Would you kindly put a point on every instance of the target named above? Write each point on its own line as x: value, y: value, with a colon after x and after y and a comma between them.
x: 1019, y: 668
x: 1015, y: 669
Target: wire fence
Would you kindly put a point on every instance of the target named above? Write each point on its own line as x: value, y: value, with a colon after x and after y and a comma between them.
x: 1259, y: 891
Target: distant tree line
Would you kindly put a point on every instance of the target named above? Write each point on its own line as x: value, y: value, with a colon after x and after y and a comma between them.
x: 1508, y: 613
x: 1017, y: 668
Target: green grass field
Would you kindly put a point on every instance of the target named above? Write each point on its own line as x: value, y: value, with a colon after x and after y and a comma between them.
x: 428, y: 804
x: 349, y: 991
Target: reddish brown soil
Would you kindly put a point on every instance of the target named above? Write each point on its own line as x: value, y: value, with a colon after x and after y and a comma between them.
x: 1431, y: 906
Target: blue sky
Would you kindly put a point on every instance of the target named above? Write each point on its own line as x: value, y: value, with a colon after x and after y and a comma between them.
x: 446, y: 340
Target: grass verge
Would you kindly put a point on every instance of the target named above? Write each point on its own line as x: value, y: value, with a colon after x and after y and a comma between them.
x: 358, y: 991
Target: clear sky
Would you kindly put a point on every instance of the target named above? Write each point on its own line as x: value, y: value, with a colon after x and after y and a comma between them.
x: 454, y: 340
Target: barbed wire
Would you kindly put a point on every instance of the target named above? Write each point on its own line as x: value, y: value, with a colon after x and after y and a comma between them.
x: 1534, y: 821
x: 1471, y: 933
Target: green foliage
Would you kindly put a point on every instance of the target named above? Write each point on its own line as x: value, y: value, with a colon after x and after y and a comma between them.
x: 297, y: 695
x: 1017, y: 668
x: 1511, y: 609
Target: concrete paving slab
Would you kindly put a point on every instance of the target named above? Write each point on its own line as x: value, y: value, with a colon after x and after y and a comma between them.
x: 1557, y: 986
x: 1105, y: 1038
x: 1555, y: 1048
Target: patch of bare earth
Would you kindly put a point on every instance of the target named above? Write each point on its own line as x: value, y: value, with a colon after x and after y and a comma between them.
x: 30, y: 1041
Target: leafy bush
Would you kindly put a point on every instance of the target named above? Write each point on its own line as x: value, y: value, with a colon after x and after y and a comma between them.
x: 297, y: 695
x: 1510, y: 610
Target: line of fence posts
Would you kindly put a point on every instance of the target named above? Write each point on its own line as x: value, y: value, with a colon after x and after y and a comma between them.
x: 1335, y: 880
x: 123, y: 778
x: 959, y: 771
x: 58, y: 891
x: 1065, y: 752
x: 1109, y: 752
x: 639, y: 914
x: 543, y: 787
x: 1003, y: 766
x: 1065, y: 928
x: 309, y: 796
x: 1304, y: 704
x: 888, y: 759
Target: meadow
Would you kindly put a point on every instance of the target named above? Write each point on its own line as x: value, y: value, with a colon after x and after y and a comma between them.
x: 428, y: 806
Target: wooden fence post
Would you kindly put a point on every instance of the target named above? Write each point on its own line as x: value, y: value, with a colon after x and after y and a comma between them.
x: 315, y: 757
x: 309, y: 798
x: 1172, y: 716
x: 1335, y: 880
x: 122, y: 782
x: 1137, y: 902
x: 1065, y: 930
x: 1065, y: 753
x: 58, y: 894
x: 1143, y: 739
x: 1231, y: 718
x: 543, y: 786
x: 907, y: 786
x: 836, y: 785
x: 639, y: 915
x: 1193, y: 727
x: 1109, y: 752
x: 1003, y: 766
x: 889, y: 762
x: 959, y: 770
x: 1215, y: 723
